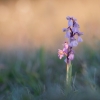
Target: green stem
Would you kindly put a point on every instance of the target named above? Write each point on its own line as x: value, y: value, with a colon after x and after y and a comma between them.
x: 69, y: 74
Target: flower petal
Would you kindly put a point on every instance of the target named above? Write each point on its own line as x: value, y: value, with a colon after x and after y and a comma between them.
x: 75, y: 29
x: 60, y: 53
x: 71, y: 56
x: 79, y: 39
x: 70, y: 23
x: 64, y: 29
x: 66, y: 45
x: 68, y: 34
x: 74, y: 43
x: 68, y: 18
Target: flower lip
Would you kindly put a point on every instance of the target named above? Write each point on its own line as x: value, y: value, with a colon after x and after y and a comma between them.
x: 60, y: 52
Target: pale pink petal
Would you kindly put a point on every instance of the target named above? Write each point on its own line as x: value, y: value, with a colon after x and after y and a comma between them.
x: 60, y: 53
x: 60, y: 56
x: 66, y: 45
x: 71, y: 57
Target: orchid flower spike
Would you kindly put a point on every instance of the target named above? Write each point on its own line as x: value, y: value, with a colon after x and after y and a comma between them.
x: 71, y: 31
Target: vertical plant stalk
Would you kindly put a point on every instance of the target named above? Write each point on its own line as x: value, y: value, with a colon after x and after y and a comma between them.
x: 68, y: 74
x: 71, y: 32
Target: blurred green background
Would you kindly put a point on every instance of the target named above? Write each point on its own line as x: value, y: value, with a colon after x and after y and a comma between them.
x: 30, y: 36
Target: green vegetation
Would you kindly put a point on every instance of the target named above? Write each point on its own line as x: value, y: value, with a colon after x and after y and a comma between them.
x: 41, y: 75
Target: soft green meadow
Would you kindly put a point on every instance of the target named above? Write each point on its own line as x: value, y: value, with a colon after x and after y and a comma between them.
x: 40, y: 75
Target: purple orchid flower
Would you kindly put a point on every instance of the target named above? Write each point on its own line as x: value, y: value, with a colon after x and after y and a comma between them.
x: 71, y: 32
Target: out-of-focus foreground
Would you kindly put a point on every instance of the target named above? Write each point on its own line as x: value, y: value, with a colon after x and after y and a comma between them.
x: 41, y: 76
